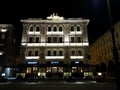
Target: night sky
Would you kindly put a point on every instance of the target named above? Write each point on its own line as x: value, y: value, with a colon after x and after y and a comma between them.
x: 95, y: 10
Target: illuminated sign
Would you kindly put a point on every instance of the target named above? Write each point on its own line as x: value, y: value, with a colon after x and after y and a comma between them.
x: 53, y: 62
x: 32, y: 62
x: 76, y: 62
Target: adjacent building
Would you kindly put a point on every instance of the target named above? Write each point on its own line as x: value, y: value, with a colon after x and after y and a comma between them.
x: 54, y: 46
x: 7, y: 46
x: 101, y: 50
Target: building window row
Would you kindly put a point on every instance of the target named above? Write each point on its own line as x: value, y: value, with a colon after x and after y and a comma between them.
x: 72, y: 28
x: 34, y: 39
x: 32, y: 28
x: 76, y: 53
x: 75, y: 39
x: 55, y: 39
x: 55, y: 29
x: 31, y: 53
x: 54, y: 53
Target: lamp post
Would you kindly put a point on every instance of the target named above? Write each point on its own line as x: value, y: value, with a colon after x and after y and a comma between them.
x: 115, y: 51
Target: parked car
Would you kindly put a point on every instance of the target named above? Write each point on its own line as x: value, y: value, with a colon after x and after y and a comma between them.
x: 70, y: 79
x: 31, y: 77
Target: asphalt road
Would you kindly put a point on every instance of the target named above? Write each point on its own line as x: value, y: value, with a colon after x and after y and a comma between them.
x: 58, y: 85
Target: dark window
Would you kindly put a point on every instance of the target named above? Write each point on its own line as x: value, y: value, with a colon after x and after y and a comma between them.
x: 30, y: 39
x: 49, y: 39
x: 48, y: 53
x: 49, y: 29
x: 60, y: 39
x: 78, y: 28
x: 54, y: 39
x: 79, y: 53
x: 60, y: 28
x: 31, y: 28
x: 72, y: 40
x: 37, y: 39
x: 79, y: 39
x: 60, y: 53
x: 36, y: 53
x: 55, y: 29
x: 72, y: 28
x: 73, y: 53
x: 30, y: 53
x: 54, y: 53
x: 37, y: 28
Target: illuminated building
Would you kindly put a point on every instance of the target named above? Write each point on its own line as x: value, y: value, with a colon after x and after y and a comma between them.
x: 101, y: 50
x: 54, y: 42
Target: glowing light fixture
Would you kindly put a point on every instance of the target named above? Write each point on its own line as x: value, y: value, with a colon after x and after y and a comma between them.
x: 3, y: 30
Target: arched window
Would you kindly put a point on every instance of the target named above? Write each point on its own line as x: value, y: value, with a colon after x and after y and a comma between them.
x: 30, y: 53
x: 55, y: 29
x: 36, y: 53
x: 31, y: 28
x: 73, y: 53
x: 79, y: 39
x: 37, y: 28
x: 49, y: 29
x: 60, y: 53
x: 78, y: 28
x: 60, y: 28
x: 72, y: 28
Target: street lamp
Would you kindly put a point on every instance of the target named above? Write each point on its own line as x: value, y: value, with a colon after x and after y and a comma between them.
x: 115, y: 51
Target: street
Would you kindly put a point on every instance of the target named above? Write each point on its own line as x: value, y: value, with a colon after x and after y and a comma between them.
x: 57, y: 85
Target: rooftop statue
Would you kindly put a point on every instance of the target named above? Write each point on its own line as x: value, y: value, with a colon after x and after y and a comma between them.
x: 54, y: 16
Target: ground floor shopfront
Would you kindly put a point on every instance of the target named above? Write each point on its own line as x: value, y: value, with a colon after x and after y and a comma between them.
x: 49, y: 70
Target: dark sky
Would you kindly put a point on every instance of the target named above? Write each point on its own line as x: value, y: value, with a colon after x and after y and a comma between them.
x: 95, y: 10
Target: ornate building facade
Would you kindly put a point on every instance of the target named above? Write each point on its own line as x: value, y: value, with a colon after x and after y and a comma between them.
x: 49, y: 45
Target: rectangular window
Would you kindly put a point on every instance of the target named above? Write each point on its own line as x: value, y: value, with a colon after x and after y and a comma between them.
x: 37, y: 39
x: 60, y: 39
x: 54, y: 39
x: 49, y: 39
